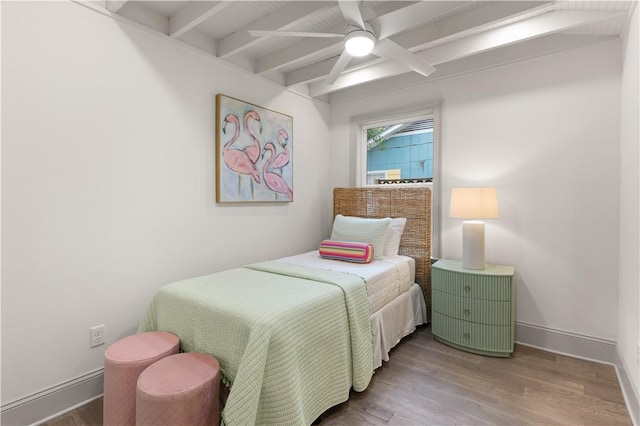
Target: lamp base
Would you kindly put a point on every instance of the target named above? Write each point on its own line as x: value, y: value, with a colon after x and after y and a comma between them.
x: 473, y: 244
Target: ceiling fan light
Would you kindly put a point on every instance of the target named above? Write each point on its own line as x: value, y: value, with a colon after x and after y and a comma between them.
x: 359, y: 43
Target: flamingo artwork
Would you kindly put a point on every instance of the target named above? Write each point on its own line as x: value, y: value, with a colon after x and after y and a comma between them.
x: 237, y: 160
x: 282, y: 159
x: 244, y: 170
x: 274, y: 181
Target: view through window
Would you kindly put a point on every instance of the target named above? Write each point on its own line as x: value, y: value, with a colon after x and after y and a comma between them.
x: 400, y: 153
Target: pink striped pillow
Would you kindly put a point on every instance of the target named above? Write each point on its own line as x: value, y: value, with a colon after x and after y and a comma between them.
x: 346, y: 250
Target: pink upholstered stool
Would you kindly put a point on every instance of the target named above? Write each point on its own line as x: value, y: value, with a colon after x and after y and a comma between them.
x: 123, y: 362
x: 179, y: 390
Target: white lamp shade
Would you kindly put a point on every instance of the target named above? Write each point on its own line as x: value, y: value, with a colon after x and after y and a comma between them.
x: 474, y: 203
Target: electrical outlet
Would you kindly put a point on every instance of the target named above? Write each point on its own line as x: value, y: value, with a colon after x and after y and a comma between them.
x: 96, y: 335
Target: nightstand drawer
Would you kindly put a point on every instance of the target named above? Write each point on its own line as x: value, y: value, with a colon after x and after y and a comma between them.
x: 473, y: 310
x: 472, y: 285
x: 481, y: 337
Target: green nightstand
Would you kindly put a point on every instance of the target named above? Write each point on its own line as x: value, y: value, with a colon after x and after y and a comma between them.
x: 474, y: 310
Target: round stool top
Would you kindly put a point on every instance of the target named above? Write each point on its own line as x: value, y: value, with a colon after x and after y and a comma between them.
x: 178, y: 373
x: 142, y: 346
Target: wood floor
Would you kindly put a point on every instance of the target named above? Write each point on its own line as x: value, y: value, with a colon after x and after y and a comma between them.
x: 428, y: 383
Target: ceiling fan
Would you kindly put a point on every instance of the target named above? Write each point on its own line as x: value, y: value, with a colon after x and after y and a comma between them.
x: 359, y: 40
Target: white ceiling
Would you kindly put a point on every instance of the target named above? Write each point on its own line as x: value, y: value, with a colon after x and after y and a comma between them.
x: 453, y: 36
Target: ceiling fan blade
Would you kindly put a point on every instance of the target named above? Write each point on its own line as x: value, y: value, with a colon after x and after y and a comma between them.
x: 260, y: 33
x: 387, y: 49
x: 342, y: 63
x: 351, y: 12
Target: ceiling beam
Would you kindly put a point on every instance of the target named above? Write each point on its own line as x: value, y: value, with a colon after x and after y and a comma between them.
x: 282, y: 19
x: 193, y: 14
x: 144, y: 16
x: 517, y: 52
x: 471, y: 21
x: 391, y: 22
x: 463, y: 23
x: 538, y: 26
x: 298, y: 52
x: 439, y: 32
x: 320, y: 70
x: 535, y: 27
x: 411, y: 16
x: 115, y: 5
x: 200, y: 40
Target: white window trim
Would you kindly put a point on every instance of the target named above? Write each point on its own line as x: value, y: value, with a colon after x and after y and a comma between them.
x: 415, y: 132
x: 383, y: 118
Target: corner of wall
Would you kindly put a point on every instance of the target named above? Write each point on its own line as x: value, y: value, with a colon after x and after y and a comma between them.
x: 630, y: 394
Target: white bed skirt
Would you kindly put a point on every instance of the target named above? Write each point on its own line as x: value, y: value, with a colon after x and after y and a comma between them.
x: 396, y: 320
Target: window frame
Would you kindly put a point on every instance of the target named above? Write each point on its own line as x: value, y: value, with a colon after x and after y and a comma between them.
x: 361, y: 123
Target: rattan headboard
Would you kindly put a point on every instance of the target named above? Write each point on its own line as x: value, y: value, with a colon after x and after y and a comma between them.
x: 412, y: 203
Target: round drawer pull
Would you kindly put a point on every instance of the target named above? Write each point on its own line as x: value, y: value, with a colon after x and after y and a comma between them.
x: 466, y: 335
x: 466, y: 312
x: 467, y: 288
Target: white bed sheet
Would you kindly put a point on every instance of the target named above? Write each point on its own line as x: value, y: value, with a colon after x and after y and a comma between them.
x: 396, y: 320
x: 385, y: 279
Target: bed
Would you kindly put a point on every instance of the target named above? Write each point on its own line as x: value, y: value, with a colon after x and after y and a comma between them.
x: 292, y: 335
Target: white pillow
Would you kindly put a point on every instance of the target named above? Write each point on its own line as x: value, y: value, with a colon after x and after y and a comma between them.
x: 361, y: 230
x: 393, y: 235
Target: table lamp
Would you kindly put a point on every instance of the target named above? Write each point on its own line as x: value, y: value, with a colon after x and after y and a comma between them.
x: 473, y: 204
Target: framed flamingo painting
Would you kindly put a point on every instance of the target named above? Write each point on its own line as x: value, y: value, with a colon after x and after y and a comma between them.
x: 254, y: 153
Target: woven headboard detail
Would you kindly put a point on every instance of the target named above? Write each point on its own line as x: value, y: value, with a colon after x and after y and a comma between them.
x: 412, y: 203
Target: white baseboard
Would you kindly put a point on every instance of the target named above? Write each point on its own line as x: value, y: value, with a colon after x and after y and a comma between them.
x: 54, y: 401
x: 566, y: 343
x: 631, y: 397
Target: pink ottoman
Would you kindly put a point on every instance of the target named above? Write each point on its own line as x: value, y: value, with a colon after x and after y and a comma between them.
x: 123, y: 362
x: 179, y: 390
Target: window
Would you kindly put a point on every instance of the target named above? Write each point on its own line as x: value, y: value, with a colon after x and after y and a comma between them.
x: 400, y: 152
x: 401, y: 147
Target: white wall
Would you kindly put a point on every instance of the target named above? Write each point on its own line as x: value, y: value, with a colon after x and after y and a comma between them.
x: 545, y: 132
x: 108, y: 187
x: 629, y: 298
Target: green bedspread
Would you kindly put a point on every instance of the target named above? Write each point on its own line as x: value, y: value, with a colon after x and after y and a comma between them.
x: 291, y: 341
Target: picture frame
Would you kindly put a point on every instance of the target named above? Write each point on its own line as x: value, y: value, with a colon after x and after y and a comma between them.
x: 254, y: 153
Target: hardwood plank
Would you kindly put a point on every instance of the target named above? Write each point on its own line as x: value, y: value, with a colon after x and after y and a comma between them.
x: 590, y: 409
x: 89, y: 414
x: 606, y: 391
x: 456, y: 399
x: 540, y: 370
x: 429, y: 383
